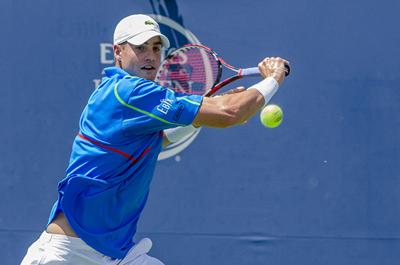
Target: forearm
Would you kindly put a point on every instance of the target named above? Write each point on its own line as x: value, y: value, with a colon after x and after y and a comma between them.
x: 229, y: 110
x: 242, y: 106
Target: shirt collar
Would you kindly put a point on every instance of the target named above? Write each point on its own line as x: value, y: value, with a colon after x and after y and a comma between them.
x: 111, y: 71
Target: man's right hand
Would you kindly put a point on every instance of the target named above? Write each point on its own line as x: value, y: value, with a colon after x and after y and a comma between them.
x: 273, y: 67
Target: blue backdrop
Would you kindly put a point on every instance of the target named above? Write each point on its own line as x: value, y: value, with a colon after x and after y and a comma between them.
x: 323, y: 188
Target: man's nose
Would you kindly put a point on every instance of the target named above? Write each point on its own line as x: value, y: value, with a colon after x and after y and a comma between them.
x: 150, y: 56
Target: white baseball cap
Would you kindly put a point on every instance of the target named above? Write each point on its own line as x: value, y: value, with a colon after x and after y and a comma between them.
x: 137, y: 29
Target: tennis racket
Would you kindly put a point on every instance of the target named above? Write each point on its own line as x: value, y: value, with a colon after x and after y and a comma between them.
x: 196, y: 69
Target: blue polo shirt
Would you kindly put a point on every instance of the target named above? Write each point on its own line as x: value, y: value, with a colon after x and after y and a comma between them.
x: 114, y: 155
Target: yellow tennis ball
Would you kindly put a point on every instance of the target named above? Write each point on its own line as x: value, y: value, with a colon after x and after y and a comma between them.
x: 271, y: 116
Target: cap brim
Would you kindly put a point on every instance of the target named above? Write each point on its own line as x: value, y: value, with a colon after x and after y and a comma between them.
x: 145, y: 36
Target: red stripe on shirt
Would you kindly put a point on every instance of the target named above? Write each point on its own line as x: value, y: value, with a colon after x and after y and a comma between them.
x: 131, y: 158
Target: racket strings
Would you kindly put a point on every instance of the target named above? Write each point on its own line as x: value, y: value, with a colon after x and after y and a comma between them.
x: 189, y: 70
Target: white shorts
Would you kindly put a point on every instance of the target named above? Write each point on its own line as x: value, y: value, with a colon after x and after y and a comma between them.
x: 60, y: 249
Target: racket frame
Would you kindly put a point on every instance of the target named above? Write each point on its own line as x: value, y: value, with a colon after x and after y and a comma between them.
x: 217, y: 84
x: 240, y: 72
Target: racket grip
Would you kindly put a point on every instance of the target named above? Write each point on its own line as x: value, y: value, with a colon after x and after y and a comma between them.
x: 254, y: 71
x: 250, y: 71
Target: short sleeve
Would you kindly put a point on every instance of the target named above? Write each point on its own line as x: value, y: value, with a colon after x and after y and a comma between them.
x: 150, y: 108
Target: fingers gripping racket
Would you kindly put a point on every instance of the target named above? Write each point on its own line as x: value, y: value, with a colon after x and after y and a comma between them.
x: 196, y: 69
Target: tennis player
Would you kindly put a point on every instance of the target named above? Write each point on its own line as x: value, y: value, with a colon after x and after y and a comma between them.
x: 122, y: 129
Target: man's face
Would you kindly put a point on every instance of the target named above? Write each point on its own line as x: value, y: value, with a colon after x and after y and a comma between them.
x: 142, y: 61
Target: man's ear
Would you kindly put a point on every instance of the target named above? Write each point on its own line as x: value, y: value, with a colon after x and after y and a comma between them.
x: 117, y: 52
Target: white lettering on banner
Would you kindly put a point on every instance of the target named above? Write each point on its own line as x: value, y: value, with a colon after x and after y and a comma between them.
x: 106, y: 53
x: 165, y: 105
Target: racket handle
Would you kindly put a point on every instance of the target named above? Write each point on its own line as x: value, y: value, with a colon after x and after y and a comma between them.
x: 254, y: 71
x: 250, y: 71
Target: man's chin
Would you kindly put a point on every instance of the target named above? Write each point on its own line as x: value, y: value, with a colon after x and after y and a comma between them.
x: 148, y: 76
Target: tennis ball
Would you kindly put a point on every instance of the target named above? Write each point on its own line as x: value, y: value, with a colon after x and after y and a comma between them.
x: 271, y: 116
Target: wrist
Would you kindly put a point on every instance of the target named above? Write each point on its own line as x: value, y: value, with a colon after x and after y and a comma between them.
x: 267, y: 88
